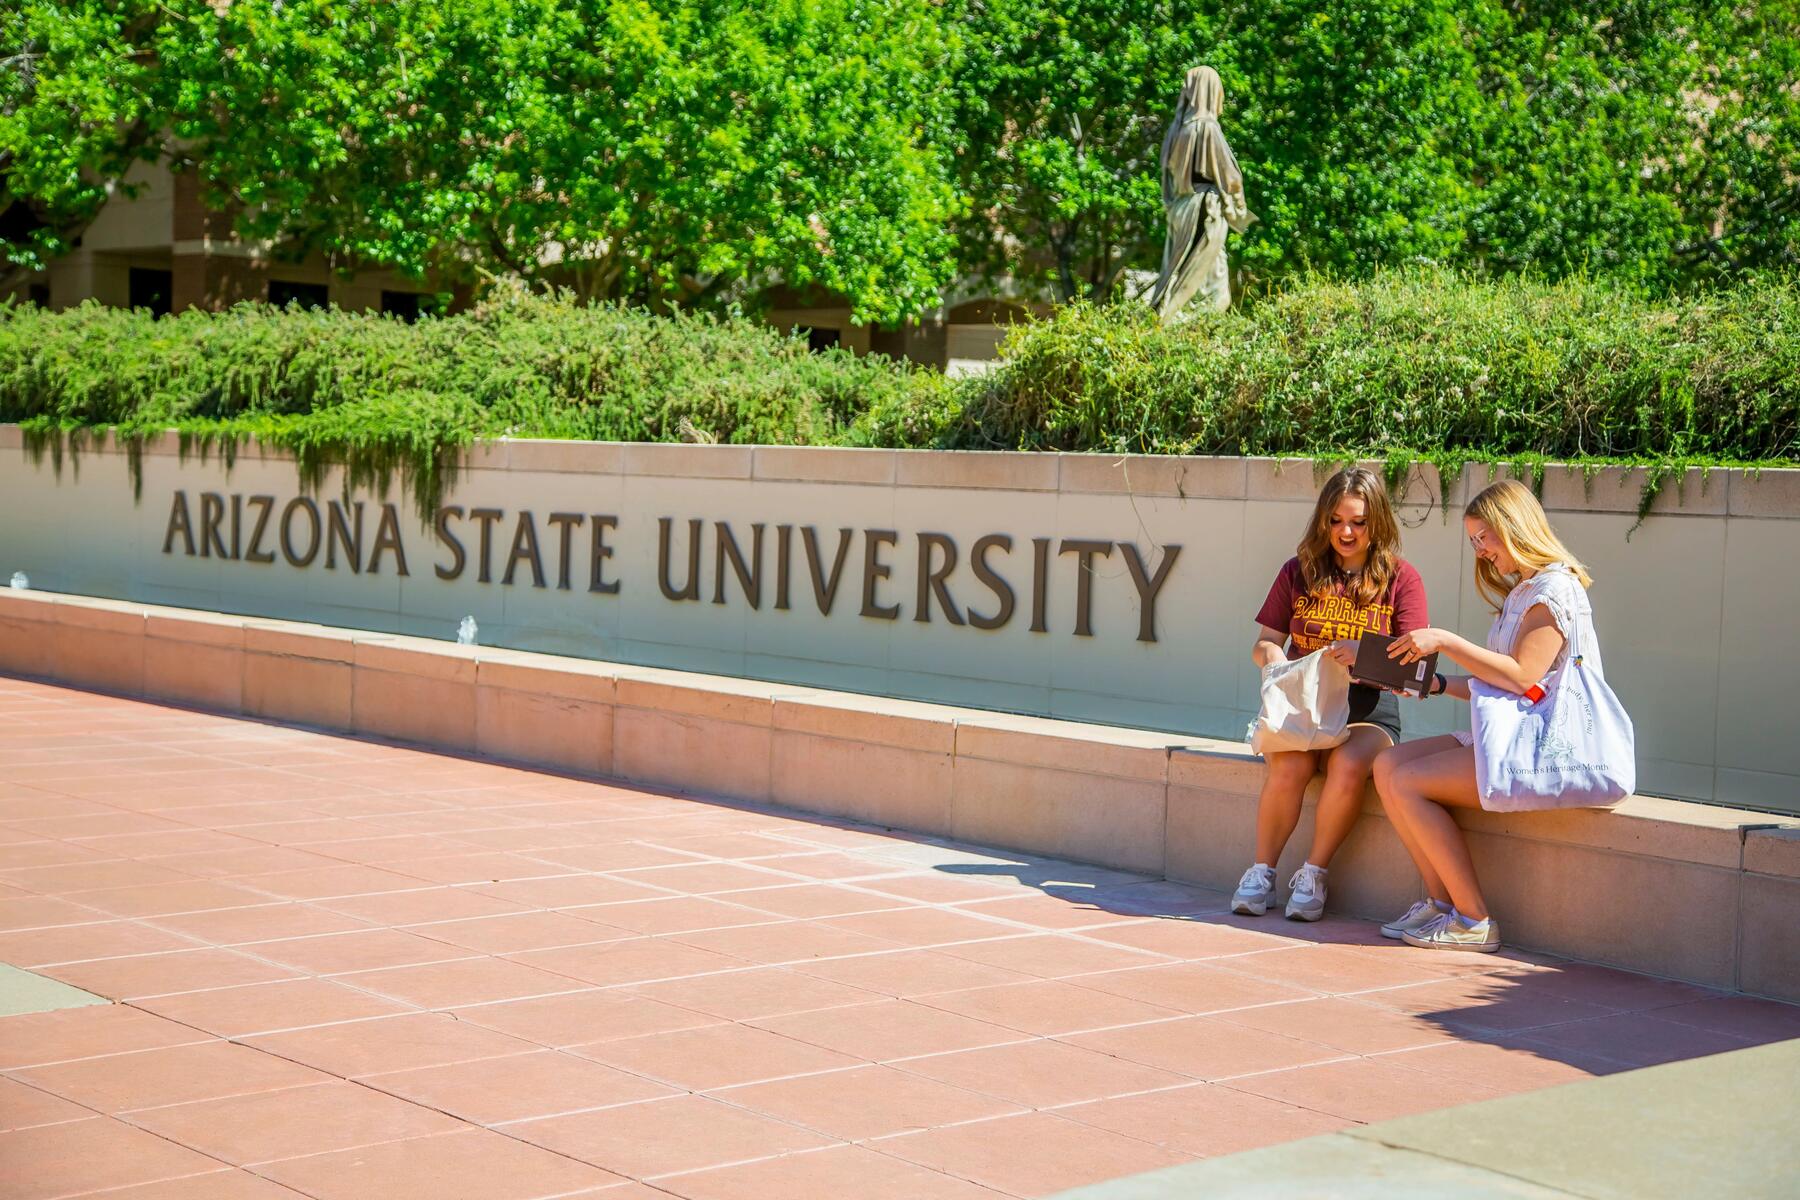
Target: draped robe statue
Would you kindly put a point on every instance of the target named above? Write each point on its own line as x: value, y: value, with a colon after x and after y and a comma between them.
x: 1203, y: 193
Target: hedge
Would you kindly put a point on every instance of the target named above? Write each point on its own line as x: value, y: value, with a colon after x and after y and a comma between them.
x: 1405, y: 366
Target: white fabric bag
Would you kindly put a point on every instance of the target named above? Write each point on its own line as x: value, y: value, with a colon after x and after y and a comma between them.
x: 1574, y: 748
x: 1305, y: 706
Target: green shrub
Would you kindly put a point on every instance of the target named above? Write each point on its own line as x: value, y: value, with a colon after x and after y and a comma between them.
x: 384, y: 397
x: 1405, y: 366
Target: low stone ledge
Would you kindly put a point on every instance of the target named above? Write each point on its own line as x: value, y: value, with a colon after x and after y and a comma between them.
x: 569, y: 679
x: 291, y: 639
x: 902, y: 724
x: 1065, y: 746
x: 1773, y: 850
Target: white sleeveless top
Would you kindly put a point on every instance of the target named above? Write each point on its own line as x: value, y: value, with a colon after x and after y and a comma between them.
x: 1557, y: 589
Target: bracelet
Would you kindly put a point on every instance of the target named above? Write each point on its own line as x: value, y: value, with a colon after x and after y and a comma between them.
x: 1443, y: 685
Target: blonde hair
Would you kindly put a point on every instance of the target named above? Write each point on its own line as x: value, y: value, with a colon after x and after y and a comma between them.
x: 1318, y: 560
x: 1517, y: 519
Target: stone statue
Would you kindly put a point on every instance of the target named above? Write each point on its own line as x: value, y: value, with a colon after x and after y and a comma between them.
x: 1204, y: 195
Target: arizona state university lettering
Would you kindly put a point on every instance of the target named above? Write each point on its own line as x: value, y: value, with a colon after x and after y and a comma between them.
x: 838, y: 570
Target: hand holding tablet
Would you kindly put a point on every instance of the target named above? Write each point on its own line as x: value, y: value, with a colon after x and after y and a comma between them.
x: 1373, y: 666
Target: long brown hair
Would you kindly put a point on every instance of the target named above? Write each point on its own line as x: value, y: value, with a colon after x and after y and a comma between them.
x: 1318, y: 560
x: 1517, y: 519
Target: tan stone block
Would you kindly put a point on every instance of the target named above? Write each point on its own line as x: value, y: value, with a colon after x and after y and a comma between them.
x: 824, y: 464
x: 300, y: 641
x: 1673, y: 829
x: 716, y: 697
x: 203, y: 674
x: 1212, y: 838
x: 1228, y: 768
x: 414, y: 707
x: 198, y: 628
x: 544, y: 674
x: 1773, y: 852
x: 1012, y: 470
x: 907, y: 724
x: 540, y: 728
x: 28, y: 647
x: 11, y: 437
x: 1769, y: 938
x: 1653, y: 915
x: 685, y: 461
x: 98, y: 658
x: 694, y: 754
x: 27, y: 604
x: 1113, y: 822
x: 1372, y: 875
x: 565, y: 457
x: 881, y: 784
x: 447, y: 661
x: 1297, y: 479
x: 1695, y: 493
x: 488, y: 456
x: 1422, y: 491
x: 306, y: 691
x: 167, y: 444
x: 1185, y: 476
x: 1068, y: 745
x: 1770, y: 493
x: 87, y: 612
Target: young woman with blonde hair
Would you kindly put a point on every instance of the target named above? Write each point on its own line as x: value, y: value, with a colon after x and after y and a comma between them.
x: 1539, y: 592
x: 1347, y: 578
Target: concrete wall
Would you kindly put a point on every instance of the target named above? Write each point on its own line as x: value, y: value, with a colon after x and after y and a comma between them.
x: 1691, y: 609
x: 1690, y: 891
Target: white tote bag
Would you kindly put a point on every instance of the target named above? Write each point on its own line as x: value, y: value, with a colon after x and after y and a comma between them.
x: 1574, y: 748
x: 1305, y: 706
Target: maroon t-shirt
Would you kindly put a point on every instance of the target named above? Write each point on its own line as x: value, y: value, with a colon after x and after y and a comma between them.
x: 1314, y: 622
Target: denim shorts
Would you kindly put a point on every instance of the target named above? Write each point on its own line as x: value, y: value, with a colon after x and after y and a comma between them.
x: 1373, y: 706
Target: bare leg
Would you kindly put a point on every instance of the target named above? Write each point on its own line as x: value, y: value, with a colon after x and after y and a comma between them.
x: 1278, y: 808
x: 1397, y: 816
x: 1422, y: 790
x: 1347, y: 770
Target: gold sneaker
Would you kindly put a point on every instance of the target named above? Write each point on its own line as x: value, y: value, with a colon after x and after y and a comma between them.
x: 1449, y: 933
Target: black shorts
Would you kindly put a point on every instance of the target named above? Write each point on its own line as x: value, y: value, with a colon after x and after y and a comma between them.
x: 1372, y: 706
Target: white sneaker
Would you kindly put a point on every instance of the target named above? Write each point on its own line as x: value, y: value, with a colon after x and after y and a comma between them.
x: 1449, y: 933
x: 1306, y: 894
x: 1421, y: 914
x: 1255, y: 892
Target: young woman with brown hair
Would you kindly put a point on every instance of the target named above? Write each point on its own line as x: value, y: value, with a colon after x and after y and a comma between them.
x: 1347, y: 579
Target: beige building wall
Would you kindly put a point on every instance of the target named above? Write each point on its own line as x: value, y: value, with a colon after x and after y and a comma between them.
x: 1690, y: 609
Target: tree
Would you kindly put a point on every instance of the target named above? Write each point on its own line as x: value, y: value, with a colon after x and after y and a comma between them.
x: 1653, y: 142
x: 667, y: 152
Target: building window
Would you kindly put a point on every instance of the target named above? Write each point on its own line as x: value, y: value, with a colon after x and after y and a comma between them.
x: 283, y: 293
x: 150, y: 289
x: 820, y: 340
x: 410, y: 306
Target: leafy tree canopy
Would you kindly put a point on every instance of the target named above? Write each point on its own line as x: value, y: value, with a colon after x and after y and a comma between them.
x: 669, y: 152
x: 1654, y: 141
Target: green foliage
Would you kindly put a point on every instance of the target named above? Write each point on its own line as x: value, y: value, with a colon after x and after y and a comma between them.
x: 386, y: 398
x: 1408, y: 366
x: 1653, y: 141
x: 667, y: 152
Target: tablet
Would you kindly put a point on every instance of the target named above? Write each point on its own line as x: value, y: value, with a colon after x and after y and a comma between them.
x: 1373, y: 666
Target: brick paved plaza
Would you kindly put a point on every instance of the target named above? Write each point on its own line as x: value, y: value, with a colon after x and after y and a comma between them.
x: 338, y: 968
